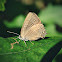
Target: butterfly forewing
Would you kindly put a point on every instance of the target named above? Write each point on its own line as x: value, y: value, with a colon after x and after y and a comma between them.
x: 31, y: 19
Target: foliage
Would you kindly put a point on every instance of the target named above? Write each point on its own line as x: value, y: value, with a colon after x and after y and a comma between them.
x: 44, y: 50
x: 17, y: 22
x: 2, y: 6
x: 31, y: 53
x: 50, y: 16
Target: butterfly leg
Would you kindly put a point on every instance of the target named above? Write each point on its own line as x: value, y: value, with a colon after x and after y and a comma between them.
x: 14, y: 43
x: 25, y: 43
x: 32, y: 43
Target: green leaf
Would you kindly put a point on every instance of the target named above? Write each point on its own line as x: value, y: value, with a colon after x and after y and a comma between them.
x: 51, y: 30
x: 50, y: 16
x: 21, y: 53
x: 2, y: 7
x: 17, y: 22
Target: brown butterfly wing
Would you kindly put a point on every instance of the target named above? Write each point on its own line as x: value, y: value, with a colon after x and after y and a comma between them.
x: 35, y: 32
x: 30, y: 20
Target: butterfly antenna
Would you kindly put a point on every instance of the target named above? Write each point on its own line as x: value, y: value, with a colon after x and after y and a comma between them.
x: 12, y: 32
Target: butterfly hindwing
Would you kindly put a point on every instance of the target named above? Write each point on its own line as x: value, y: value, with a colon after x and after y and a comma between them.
x: 35, y: 32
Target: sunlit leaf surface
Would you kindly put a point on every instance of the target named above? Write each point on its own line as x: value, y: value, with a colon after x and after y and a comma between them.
x: 31, y: 53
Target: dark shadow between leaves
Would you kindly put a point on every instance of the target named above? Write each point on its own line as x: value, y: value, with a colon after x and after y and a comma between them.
x: 49, y: 56
x: 58, y: 58
x: 4, y: 29
x: 58, y: 28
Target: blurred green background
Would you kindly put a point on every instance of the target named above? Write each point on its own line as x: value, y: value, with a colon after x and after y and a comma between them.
x: 13, y: 13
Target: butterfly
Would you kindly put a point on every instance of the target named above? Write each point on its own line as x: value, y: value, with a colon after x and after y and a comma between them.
x: 32, y: 29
